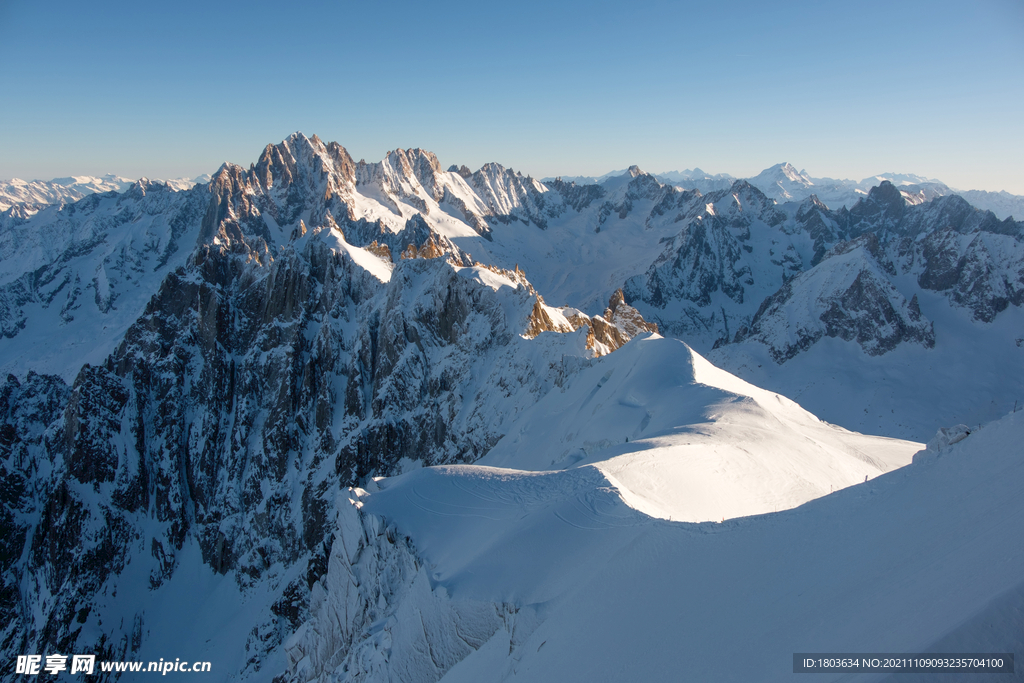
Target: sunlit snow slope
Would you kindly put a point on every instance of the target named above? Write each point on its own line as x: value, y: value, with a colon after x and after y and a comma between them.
x: 928, y: 557
x: 684, y: 440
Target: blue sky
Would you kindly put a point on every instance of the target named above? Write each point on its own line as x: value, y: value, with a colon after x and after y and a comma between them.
x: 843, y: 89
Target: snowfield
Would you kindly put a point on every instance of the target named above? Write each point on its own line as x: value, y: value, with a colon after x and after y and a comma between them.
x: 683, y: 440
x: 926, y: 558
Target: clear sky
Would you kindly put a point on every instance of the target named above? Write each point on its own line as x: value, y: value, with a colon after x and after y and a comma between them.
x: 842, y: 89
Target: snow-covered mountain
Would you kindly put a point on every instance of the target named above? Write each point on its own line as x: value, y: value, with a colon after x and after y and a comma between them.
x: 699, y: 265
x: 693, y: 174
x: 690, y: 179
x: 784, y: 183
x: 36, y: 193
x: 76, y: 276
x: 272, y: 362
x: 622, y: 595
x: 1002, y: 204
x: 586, y: 179
x: 70, y: 189
x: 664, y: 424
x: 757, y: 281
x: 326, y: 420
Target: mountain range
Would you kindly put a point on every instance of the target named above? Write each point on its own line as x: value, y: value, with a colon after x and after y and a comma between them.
x: 784, y: 183
x: 30, y: 195
x: 318, y: 419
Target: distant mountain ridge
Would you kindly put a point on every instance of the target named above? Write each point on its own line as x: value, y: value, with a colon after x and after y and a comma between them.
x: 783, y: 182
x: 36, y: 193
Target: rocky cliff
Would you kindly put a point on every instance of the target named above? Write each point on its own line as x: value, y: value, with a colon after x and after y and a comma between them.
x: 275, y: 364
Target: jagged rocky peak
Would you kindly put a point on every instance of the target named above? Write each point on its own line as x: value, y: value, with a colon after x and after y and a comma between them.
x: 783, y: 181
x: 579, y: 197
x: 885, y: 194
x: 625, y: 317
x: 745, y: 193
x: 422, y: 166
x: 297, y: 175
x: 847, y: 296
x: 417, y: 240
x: 493, y: 171
x: 17, y: 214
x: 808, y: 205
x: 297, y: 156
x: 462, y: 170
x: 640, y: 185
x: 883, y: 208
x: 509, y: 195
x: 981, y: 271
x: 409, y: 175
x: 231, y: 207
x: 790, y: 172
x: 305, y: 181
x: 142, y: 186
x: 953, y: 212
x: 276, y: 164
x: 644, y: 185
x: 623, y: 193
x: 605, y: 333
x: 414, y: 163
x: 702, y: 259
x: 744, y: 202
x: 813, y: 217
